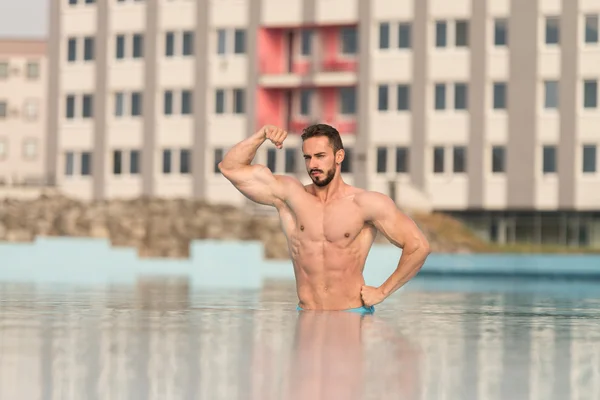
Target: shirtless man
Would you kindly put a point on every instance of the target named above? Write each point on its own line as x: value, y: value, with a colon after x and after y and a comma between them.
x: 330, y: 225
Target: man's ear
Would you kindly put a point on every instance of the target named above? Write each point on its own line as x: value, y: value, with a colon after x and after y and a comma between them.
x: 339, y: 156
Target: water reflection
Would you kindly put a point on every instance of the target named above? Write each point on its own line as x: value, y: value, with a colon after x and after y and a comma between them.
x: 158, y: 340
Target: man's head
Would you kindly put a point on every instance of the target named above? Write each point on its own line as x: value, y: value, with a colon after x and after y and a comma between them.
x: 323, y: 152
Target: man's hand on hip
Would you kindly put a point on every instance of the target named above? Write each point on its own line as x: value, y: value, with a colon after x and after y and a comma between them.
x: 371, y: 295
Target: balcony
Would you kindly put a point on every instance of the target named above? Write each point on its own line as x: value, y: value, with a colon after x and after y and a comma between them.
x: 323, y: 56
x: 344, y: 126
x: 308, y: 72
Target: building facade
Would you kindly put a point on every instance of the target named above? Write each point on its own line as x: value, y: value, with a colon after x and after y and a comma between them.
x: 485, y: 109
x: 22, y: 112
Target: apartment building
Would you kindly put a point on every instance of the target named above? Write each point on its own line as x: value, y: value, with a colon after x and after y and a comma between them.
x: 485, y: 109
x: 22, y: 111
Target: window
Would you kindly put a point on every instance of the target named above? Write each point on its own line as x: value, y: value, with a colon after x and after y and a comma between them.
x: 382, y: 97
x: 69, y: 163
x: 188, y: 43
x: 70, y: 107
x: 460, y: 96
x: 88, y: 106
x: 169, y: 44
x: 31, y: 109
x: 459, y: 159
x: 29, y: 149
x: 498, y: 159
x: 404, y: 36
x: 166, y: 161
x: 552, y: 30
x: 500, y: 32
x: 33, y: 70
x: 305, y: 97
x: 440, y: 96
x: 347, y: 97
x: 549, y: 159
x: 306, y: 42
x: 589, y: 158
x: 239, y: 42
x: 346, y: 166
x: 119, y: 104
x: 591, y: 28
x: 120, y: 47
x: 218, y: 157
x: 438, y: 160
x: 117, y: 162
x: 384, y: 35
x: 349, y: 39
x: 462, y: 34
x: 185, y: 161
x: 221, y: 41
x: 88, y: 48
x: 499, y: 101
x: 590, y: 94
x: 239, y: 106
x: 382, y: 159
x: 186, y: 102
x: 550, y: 94
x: 86, y: 163
x: 71, y: 49
x: 440, y: 34
x: 271, y: 160
x: 220, y: 101
x: 290, y: 160
x: 403, y: 100
x: 138, y: 45
x: 136, y: 104
x: 168, y: 102
x: 3, y: 109
x: 402, y: 159
x: 3, y: 70
x: 134, y: 162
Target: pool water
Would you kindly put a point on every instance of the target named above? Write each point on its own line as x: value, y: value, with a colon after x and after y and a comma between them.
x: 435, y: 339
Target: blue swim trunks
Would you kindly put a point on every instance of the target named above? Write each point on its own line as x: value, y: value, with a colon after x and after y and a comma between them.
x: 360, y: 310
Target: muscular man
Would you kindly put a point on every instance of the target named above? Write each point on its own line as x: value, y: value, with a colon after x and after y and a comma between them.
x: 330, y: 225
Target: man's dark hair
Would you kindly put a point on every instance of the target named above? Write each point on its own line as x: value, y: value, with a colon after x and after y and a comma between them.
x: 324, y: 130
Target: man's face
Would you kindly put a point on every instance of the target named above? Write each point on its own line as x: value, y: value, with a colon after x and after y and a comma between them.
x: 320, y: 160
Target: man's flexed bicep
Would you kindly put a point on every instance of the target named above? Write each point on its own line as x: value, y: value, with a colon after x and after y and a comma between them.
x: 258, y: 183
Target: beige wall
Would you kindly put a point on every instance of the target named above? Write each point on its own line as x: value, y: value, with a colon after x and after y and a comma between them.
x: 22, y: 130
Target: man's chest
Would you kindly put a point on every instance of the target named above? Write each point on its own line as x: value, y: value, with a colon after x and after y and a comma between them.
x: 337, y: 222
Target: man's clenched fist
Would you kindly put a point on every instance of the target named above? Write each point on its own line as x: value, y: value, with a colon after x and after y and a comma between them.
x: 275, y: 135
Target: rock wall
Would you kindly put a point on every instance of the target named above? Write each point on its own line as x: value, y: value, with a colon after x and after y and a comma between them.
x: 156, y: 227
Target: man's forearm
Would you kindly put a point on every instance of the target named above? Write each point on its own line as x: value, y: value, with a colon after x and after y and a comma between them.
x: 410, y: 263
x: 244, y: 152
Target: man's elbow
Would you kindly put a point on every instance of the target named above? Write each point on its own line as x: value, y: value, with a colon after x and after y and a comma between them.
x: 419, y: 246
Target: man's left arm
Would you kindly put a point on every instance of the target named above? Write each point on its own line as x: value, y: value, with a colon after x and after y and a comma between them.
x: 380, y: 211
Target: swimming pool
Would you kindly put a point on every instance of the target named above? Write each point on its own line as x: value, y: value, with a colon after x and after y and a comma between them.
x: 438, y: 338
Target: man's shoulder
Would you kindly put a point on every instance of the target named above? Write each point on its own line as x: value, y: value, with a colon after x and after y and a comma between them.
x: 373, y: 204
x: 367, y: 197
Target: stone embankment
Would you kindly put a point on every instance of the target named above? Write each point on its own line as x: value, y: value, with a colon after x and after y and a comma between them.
x: 165, y: 227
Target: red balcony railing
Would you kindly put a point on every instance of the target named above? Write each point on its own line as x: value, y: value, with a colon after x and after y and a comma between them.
x: 343, y: 126
x: 304, y: 67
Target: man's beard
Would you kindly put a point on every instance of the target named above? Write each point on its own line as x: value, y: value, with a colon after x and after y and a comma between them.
x: 319, y: 181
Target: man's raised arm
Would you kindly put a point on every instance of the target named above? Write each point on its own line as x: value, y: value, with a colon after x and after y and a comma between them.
x: 256, y: 182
